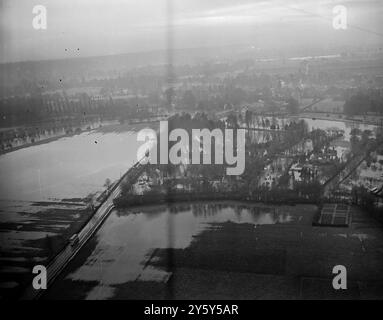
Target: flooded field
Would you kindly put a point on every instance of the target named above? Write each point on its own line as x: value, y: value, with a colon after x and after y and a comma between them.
x: 344, y: 125
x: 211, y: 248
x: 31, y: 233
x: 312, y: 123
x: 124, y: 247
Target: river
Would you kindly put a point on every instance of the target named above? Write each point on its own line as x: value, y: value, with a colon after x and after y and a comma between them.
x: 69, y: 167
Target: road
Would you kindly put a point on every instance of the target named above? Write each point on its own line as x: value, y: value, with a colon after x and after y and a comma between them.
x: 311, y: 104
x: 348, y: 169
x: 342, y: 175
x: 67, y: 254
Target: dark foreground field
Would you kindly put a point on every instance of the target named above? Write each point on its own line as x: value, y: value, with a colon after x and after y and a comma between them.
x: 31, y: 233
x: 289, y: 259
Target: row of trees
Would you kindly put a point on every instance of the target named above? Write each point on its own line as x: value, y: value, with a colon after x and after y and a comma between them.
x: 362, y: 102
x: 38, y: 108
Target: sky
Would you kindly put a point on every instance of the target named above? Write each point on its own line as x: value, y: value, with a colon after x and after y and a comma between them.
x: 81, y: 28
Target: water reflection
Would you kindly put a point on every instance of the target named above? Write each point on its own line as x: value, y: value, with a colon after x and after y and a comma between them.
x: 126, y: 243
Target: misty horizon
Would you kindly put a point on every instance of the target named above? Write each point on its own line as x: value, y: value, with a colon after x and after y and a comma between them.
x: 92, y: 29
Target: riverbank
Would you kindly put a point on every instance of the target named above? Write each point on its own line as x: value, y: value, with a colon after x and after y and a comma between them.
x: 52, y: 138
x: 43, y: 141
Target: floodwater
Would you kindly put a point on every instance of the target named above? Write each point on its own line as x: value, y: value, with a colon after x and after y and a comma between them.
x: 123, y: 248
x: 76, y: 166
x: 70, y: 167
x: 312, y: 124
x: 346, y: 126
